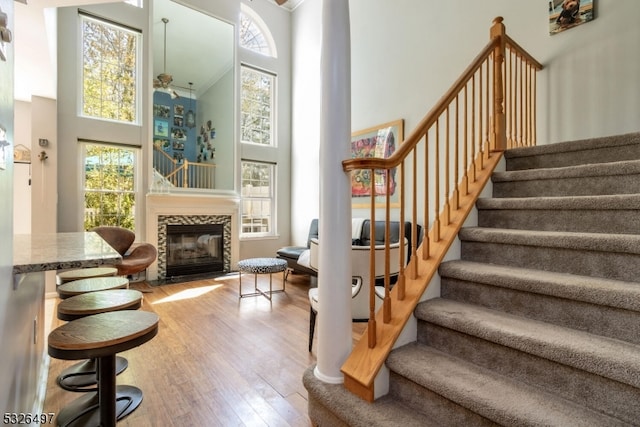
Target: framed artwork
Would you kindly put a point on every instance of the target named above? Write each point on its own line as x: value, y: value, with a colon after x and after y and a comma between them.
x: 160, y: 110
x: 178, y: 145
x: 179, y: 134
x: 377, y: 141
x: 178, y: 109
x: 566, y: 14
x: 178, y: 121
x: 161, y: 128
x: 162, y: 144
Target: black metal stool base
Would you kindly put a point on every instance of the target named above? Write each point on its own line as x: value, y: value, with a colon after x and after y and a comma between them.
x: 81, y: 377
x: 85, y: 410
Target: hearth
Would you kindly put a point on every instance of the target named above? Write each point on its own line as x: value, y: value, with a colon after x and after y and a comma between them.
x: 194, y: 249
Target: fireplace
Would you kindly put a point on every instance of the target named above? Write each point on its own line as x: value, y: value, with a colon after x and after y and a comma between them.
x: 194, y: 249
x: 193, y: 244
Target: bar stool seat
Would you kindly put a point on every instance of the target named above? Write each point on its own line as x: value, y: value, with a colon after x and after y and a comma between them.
x: 94, y: 284
x: 101, y: 336
x: 99, y: 302
x: 84, y: 273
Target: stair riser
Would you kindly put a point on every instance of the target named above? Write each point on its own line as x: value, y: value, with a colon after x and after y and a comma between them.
x: 580, y: 186
x: 574, y: 158
x: 619, y: 266
x: 586, y: 221
x: 586, y: 389
x: 601, y: 320
x: 441, y: 410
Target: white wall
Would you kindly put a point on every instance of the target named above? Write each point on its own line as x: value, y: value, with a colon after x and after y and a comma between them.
x: 22, y: 171
x: 406, y: 54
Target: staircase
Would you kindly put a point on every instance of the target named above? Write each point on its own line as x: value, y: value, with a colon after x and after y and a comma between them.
x: 539, y: 322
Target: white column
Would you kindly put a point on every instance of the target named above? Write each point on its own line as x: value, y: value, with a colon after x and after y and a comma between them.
x: 334, y: 261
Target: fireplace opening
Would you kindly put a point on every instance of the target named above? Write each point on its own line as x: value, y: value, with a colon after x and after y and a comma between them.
x: 194, y: 249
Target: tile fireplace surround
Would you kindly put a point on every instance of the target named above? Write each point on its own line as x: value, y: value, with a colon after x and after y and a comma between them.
x: 163, y: 209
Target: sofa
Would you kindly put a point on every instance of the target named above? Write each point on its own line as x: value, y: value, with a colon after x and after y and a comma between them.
x: 297, y: 257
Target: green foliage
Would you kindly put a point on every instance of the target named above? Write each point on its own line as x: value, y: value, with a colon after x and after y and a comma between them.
x: 256, y: 101
x: 109, y: 58
x: 109, y: 187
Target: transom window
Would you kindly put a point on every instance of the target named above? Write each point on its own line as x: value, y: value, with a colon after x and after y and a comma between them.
x: 254, y: 34
x: 109, y: 184
x: 257, y: 106
x: 257, y: 198
x: 110, y: 70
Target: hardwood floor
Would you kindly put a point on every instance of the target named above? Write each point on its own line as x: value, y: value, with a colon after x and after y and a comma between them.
x: 217, y: 360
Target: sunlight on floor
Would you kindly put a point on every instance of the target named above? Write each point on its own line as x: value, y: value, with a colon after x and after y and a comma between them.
x: 188, y: 293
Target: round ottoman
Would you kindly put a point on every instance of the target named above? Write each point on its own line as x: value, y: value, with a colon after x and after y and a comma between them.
x: 261, y: 266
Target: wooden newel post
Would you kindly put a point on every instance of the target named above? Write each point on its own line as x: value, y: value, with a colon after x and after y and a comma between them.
x: 499, y: 134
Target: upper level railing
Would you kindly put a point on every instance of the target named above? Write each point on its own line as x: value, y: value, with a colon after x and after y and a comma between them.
x: 184, y: 174
x: 443, y: 166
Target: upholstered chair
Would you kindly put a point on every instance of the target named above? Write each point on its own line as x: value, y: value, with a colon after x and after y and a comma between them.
x: 360, y: 287
x: 136, y: 257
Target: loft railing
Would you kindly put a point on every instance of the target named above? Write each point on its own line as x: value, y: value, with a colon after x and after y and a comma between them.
x: 449, y: 156
x: 184, y: 174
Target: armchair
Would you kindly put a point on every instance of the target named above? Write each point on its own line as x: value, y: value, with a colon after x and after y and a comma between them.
x: 360, y: 289
x: 136, y: 257
x: 292, y: 254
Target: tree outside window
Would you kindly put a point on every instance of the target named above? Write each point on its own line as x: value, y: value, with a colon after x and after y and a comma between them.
x: 109, y: 186
x: 109, y: 70
x: 257, y: 100
x: 257, y: 198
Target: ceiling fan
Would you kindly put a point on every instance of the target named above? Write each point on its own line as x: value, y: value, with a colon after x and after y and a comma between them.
x: 163, y: 81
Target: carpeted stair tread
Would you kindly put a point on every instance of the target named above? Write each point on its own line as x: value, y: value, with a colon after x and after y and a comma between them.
x: 618, y: 243
x: 597, y: 202
x: 495, y: 397
x: 602, y: 149
x: 621, y: 168
x: 610, y: 358
x: 594, y: 290
x: 355, y: 412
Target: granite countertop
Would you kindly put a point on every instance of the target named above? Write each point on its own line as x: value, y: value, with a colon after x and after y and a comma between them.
x: 56, y: 251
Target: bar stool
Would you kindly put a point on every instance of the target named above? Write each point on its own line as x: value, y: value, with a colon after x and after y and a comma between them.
x: 84, y: 273
x: 94, y: 284
x: 82, y: 375
x: 101, y: 336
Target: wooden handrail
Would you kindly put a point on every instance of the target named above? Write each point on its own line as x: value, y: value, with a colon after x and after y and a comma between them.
x: 185, y: 175
x: 462, y: 139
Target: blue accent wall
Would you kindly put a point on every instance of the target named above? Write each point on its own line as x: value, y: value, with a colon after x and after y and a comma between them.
x: 170, y: 129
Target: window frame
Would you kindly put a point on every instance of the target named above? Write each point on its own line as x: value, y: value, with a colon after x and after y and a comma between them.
x: 272, y: 198
x: 137, y: 182
x: 82, y: 16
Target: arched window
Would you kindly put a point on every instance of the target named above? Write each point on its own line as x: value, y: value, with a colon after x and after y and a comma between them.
x: 254, y: 34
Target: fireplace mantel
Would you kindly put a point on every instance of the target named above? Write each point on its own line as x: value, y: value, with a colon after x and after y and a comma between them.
x: 176, y: 204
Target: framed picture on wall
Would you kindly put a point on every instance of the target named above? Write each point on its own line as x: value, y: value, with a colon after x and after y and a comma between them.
x: 160, y: 110
x: 377, y: 141
x: 178, y: 109
x: 178, y: 121
x: 161, y: 128
x: 566, y: 14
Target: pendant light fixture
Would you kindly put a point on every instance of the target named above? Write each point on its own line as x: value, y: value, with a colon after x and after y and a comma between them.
x: 164, y: 80
x: 190, y: 117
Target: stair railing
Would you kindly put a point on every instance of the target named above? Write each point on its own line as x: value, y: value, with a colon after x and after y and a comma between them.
x: 450, y: 155
x: 184, y: 174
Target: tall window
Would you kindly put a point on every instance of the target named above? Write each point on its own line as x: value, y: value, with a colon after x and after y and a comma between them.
x: 109, y: 185
x: 257, y: 101
x: 110, y: 64
x: 258, y: 198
